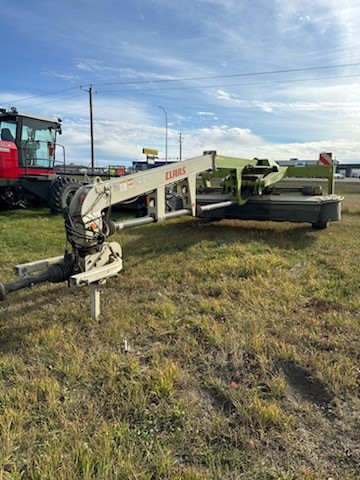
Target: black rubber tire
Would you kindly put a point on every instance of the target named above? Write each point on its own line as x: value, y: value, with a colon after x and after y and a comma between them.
x: 61, y: 193
x: 2, y: 292
x: 320, y: 225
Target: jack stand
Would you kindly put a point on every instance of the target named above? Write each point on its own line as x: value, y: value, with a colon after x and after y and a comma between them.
x: 105, y: 264
x: 95, y: 300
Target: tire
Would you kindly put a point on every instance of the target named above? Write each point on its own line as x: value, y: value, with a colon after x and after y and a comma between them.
x: 61, y: 193
x: 320, y: 225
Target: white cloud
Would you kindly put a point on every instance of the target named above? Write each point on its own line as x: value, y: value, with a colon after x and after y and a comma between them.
x: 62, y: 76
x: 243, y: 143
x: 223, y: 139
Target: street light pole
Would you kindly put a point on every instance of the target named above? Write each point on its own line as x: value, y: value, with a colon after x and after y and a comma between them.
x: 166, y: 133
x: 180, y: 145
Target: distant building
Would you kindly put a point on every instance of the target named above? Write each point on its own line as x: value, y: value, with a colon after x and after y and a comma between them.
x: 296, y: 162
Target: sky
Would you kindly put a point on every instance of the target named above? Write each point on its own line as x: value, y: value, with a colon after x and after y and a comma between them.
x: 248, y: 78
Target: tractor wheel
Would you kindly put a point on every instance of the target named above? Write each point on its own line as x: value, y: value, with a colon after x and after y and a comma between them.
x: 61, y: 193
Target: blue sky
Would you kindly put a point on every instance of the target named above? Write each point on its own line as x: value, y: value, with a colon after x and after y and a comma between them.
x: 206, y: 62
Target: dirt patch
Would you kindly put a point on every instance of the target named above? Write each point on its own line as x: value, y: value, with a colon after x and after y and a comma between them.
x: 304, y: 385
x: 321, y: 307
x: 220, y: 400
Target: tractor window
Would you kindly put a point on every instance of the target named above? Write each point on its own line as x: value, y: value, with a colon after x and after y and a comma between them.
x: 8, y: 130
x: 37, y: 143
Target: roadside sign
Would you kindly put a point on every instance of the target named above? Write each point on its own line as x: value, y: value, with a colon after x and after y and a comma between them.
x: 325, y: 158
x: 149, y: 151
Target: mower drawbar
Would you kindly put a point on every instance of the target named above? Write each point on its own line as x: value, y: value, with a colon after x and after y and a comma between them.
x: 54, y: 274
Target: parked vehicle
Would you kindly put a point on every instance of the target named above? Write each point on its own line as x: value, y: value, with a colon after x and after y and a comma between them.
x: 27, y: 160
x: 28, y: 174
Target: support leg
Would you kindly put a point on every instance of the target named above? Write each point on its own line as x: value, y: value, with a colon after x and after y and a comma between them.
x: 95, y: 300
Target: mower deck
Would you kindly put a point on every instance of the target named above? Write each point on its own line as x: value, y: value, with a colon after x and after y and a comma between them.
x: 315, y: 209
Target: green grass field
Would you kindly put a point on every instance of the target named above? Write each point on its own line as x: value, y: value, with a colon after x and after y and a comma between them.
x: 242, y: 359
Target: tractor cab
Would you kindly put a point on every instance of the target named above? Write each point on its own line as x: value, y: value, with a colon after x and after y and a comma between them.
x: 27, y: 144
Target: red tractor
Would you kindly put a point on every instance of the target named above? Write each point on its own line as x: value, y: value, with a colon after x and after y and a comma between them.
x: 27, y: 161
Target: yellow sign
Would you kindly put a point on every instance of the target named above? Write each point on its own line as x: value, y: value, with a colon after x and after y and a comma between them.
x: 149, y: 151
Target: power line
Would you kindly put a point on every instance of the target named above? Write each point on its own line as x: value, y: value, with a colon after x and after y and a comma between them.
x: 274, y: 106
x: 52, y: 101
x: 245, y: 104
x: 248, y: 74
x: 149, y: 82
x: 200, y: 87
x: 42, y: 95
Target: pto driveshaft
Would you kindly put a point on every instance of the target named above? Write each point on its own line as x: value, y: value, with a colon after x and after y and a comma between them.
x: 54, y: 274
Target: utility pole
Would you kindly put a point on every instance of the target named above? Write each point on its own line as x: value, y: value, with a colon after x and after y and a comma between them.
x: 90, y: 92
x: 180, y: 145
x: 166, y: 133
